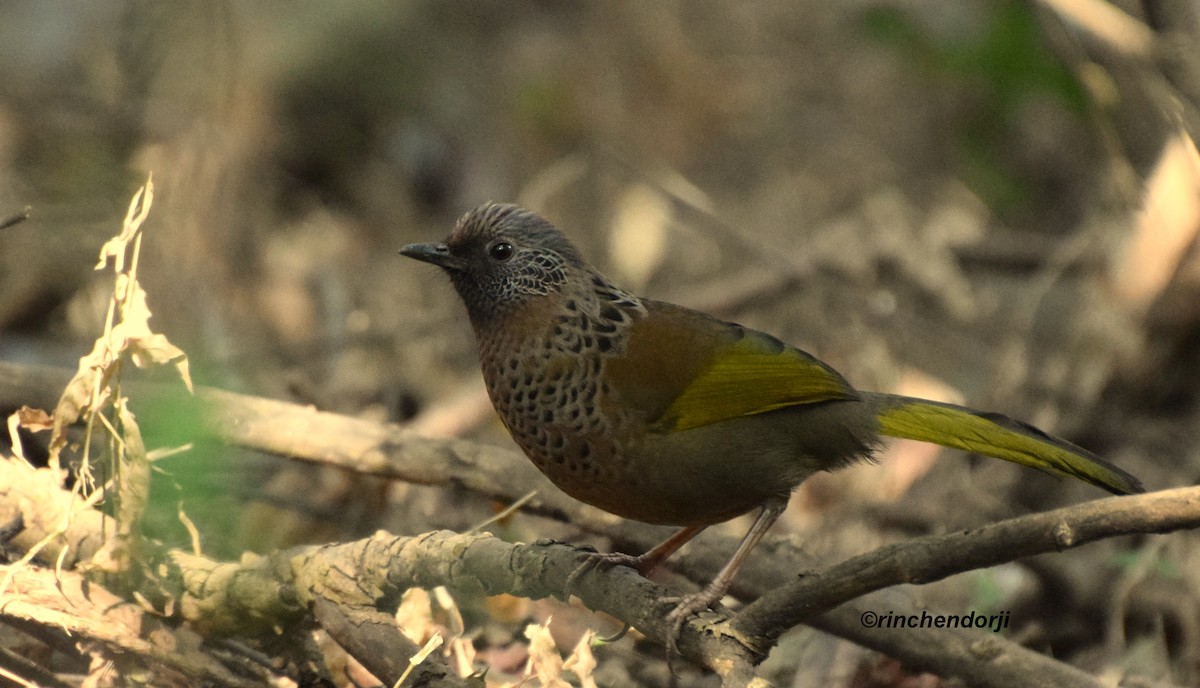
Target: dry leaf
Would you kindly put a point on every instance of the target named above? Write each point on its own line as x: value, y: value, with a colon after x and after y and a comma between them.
x: 462, y: 656
x: 544, y: 661
x: 454, y: 619
x: 89, y: 389
x: 1107, y: 22
x: 414, y: 616
x: 133, y: 333
x: 89, y: 386
x: 139, y: 208
x: 582, y: 662
x: 34, y: 420
x: 133, y: 485
x: 1166, y: 226
x: 638, y: 240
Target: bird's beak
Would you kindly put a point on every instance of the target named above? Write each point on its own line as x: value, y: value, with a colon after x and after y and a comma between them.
x: 437, y: 254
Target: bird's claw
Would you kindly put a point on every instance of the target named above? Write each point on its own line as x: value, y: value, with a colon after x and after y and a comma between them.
x: 593, y: 559
x: 685, y: 607
x: 610, y: 639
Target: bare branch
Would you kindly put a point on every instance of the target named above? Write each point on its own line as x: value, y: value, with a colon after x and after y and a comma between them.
x: 65, y: 604
x: 374, y: 639
x: 932, y: 558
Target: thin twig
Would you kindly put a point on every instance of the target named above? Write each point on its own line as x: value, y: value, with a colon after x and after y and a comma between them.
x: 16, y: 218
x: 508, y: 511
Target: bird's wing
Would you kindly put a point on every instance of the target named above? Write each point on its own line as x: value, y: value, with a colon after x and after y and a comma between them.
x: 682, y: 369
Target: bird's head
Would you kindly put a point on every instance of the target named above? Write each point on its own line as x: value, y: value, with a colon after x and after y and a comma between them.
x: 500, y: 256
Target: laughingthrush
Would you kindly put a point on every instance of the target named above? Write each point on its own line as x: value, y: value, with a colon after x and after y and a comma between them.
x: 663, y: 414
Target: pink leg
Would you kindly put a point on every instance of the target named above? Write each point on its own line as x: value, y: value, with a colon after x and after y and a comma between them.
x: 646, y: 563
x: 720, y: 585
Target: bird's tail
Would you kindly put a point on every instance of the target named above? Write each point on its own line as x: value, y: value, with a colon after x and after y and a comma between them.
x: 995, y: 435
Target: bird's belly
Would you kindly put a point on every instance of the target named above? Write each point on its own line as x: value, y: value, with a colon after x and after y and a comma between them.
x: 699, y: 476
x: 715, y: 472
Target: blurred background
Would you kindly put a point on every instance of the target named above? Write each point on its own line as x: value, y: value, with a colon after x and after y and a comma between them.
x: 985, y: 201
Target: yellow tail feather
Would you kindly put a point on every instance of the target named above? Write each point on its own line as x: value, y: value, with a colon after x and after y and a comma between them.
x: 1001, y: 437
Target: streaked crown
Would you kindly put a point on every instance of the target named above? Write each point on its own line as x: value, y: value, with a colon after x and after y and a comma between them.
x: 500, y: 255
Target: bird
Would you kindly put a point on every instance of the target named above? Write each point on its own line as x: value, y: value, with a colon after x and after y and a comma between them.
x: 663, y: 414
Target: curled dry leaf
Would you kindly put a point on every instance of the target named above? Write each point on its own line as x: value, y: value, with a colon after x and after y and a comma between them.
x: 34, y: 420
x: 454, y: 619
x: 582, y: 662
x: 116, y: 247
x: 544, y: 661
x: 87, y: 389
x: 1166, y: 226
x: 133, y: 481
x: 414, y: 616
x: 133, y: 333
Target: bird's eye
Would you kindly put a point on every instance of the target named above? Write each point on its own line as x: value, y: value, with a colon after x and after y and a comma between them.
x: 500, y: 251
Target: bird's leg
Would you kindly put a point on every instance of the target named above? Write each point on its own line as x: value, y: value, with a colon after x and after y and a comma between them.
x: 652, y: 558
x: 644, y: 563
x: 720, y: 585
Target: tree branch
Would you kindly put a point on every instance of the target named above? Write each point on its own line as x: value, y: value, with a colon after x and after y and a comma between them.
x: 64, y: 604
x: 932, y: 558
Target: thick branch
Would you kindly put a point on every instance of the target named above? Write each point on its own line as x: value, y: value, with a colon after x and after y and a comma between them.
x: 63, y: 603
x: 374, y: 639
x: 36, y: 497
x: 252, y: 595
x: 934, y: 557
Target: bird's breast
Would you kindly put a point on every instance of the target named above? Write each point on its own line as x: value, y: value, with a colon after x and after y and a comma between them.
x: 558, y: 408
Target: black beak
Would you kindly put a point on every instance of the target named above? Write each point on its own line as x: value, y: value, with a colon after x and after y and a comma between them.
x: 437, y: 254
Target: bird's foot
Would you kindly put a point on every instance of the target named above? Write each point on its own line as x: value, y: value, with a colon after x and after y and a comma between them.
x: 685, y: 607
x: 594, y: 559
x: 637, y: 563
